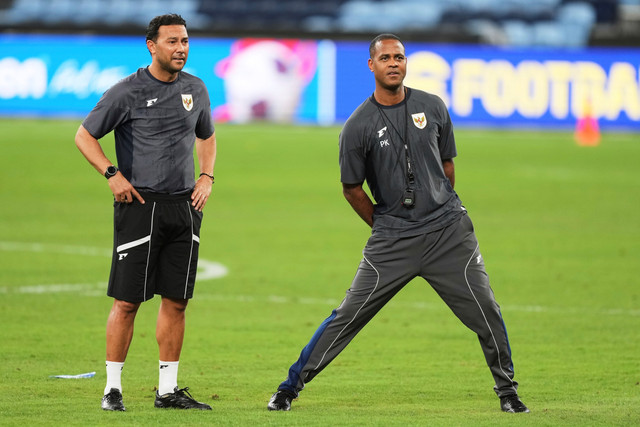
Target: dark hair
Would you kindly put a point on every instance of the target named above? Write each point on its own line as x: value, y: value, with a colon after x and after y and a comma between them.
x: 158, y: 21
x: 379, y: 38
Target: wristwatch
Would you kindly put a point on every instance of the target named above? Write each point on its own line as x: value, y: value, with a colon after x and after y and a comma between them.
x: 111, y: 171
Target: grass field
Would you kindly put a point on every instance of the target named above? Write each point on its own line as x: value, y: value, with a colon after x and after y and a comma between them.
x: 559, y: 229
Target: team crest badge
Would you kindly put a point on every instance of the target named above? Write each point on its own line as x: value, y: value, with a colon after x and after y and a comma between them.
x: 187, y: 102
x: 419, y: 120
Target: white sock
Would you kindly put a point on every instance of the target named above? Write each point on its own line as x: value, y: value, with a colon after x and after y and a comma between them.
x: 168, y: 379
x: 114, y: 375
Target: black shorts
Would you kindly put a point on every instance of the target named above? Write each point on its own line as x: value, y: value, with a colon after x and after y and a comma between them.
x: 155, y: 248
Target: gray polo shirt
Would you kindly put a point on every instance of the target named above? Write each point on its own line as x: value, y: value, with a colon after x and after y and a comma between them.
x: 372, y: 149
x: 156, y: 124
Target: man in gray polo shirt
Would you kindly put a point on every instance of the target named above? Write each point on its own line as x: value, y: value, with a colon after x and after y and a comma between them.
x: 157, y: 113
x: 401, y: 142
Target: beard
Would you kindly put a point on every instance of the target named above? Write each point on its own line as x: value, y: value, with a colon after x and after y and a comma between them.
x: 170, y: 67
x: 391, y: 85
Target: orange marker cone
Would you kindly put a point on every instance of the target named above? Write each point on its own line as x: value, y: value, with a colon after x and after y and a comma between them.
x: 587, y: 130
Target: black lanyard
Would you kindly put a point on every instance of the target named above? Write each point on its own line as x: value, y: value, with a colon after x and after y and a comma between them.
x: 405, y: 139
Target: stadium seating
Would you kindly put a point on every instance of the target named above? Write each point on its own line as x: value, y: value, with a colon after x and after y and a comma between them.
x: 564, y: 23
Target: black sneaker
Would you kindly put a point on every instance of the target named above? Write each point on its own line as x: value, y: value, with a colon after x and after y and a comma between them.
x: 281, y: 401
x: 512, y: 403
x: 180, y: 399
x: 112, y: 401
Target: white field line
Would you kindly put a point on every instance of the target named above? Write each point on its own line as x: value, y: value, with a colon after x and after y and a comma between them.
x: 330, y: 302
x: 50, y: 248
x: 90, y: 289
x: 206, y: 269
x: 99, y: 289
x: 211, y: 270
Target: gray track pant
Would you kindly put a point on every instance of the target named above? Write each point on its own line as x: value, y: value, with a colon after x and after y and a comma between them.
x: 449, y: 259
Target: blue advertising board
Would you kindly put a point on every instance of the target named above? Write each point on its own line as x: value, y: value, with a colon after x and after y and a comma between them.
x: 324, y: 81
x: 509, y: 87
x: 65, y: 76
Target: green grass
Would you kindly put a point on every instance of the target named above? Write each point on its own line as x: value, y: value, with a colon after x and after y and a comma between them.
x: 559, y: 229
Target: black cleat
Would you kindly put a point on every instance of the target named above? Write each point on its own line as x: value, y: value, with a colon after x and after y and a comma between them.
x: 180, y: 399
x: 112, y: 401
x: 512, y: 403
x: 281, y: 401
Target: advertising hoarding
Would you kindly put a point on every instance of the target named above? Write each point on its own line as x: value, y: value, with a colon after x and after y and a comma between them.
x: 324, y: 81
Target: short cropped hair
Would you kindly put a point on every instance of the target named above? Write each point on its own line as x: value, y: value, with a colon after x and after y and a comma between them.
x: 379, y: 38
x: 158, y: 21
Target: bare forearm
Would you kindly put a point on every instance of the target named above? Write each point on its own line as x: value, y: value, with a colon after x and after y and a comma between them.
x: 449, y: 171
x: 206, y: 151
x: 91, y: 150
x: 359, y: 201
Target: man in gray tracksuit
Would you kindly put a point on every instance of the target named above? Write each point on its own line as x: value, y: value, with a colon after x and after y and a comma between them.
x: 401, y: 141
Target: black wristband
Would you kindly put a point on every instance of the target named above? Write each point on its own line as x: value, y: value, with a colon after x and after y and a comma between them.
x: 210, y: 176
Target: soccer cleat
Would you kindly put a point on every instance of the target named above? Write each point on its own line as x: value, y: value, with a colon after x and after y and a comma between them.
x: 512, y: 403
x: 180, y: 399
x: 281, y: 401
x: 112, y: 401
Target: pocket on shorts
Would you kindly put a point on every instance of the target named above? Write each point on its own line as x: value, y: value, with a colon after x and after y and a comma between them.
x: 133, y: 218
x: 197, y: 219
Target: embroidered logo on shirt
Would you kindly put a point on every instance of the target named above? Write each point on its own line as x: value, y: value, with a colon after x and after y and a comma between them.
x: 384, y: 143
x: 150, y: 102
x: 419, y: 120
x: 381, y: 132
x: 187, y: 102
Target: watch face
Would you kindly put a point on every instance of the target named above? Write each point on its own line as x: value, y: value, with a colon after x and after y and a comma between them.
x: 111, y: 171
